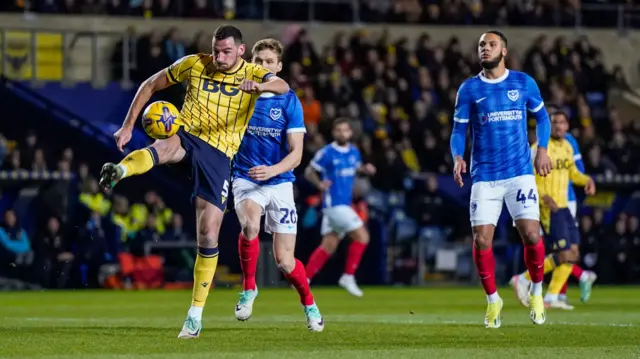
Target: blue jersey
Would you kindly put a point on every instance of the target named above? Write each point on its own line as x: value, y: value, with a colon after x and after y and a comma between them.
x: 577, y: 157
x: 497, y: 112
x: 265, y: 142
x: 339, y: 165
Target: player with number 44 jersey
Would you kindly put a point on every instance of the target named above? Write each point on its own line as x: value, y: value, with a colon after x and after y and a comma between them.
x: 495, y: 104
x: 263, y: 184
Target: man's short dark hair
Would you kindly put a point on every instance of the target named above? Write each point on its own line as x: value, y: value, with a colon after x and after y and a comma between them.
x: 502, y: 37
x: 227, y: 31
x: 340, y: 121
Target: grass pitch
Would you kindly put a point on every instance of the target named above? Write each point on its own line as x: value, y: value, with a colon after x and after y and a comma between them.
x: 386, y: 323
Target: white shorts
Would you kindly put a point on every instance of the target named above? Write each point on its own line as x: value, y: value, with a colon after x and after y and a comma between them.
x: 573, y: 208
x: 340, y: 219
x: 276, y: 201
x: 519, y: 193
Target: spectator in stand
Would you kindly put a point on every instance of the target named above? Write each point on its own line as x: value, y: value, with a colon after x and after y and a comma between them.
x: 94, y: 199
x: 15, y: 246
x: 310, y: 107
x: 28, y: 149
x: 53, y: 253
x: 202, y: 10
x: 153, y: 204
x: 39, y: 161
x: 117, y: 7
x: 173, y: 47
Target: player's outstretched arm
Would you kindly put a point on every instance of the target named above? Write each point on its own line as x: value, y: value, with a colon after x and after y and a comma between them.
x: 154, y: 83
x: 275, y: 85
x: 581, y: 179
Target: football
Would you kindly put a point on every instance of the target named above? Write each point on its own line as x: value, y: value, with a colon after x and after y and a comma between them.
x: 161, y: 120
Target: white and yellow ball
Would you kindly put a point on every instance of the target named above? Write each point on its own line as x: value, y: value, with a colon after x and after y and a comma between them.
x: 161, y: 120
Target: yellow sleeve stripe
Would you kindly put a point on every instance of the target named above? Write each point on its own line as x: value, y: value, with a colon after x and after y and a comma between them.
x: 170, y: 75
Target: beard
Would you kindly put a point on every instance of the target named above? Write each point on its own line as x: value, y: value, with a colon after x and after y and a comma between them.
x: 491, y: 63
x: 341, y: 142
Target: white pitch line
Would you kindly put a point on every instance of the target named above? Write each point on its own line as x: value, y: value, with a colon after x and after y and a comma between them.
x: 373, y: 319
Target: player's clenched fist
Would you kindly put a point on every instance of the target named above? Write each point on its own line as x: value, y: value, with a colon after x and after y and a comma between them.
x: 122, y: 137
x: 590, y: 188
x: 459, y: 167
x: 249, y: 86
x: 542, y: 162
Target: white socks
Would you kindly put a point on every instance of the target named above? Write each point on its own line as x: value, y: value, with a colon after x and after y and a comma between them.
x: 195, y: 312
x: 536, y: 288
x: 492, y: 298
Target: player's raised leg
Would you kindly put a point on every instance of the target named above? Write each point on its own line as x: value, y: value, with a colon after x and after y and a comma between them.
x: 586, y: 278
x: 249, y: 213
x: 294, y: 272
x: 141, y: 161
x: 208, y: 221
x: 320, y: 256
x: 559, y: 278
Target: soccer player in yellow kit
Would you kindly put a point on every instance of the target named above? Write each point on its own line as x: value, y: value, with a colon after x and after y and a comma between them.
x: 220, y: 99
x: 558, y: 224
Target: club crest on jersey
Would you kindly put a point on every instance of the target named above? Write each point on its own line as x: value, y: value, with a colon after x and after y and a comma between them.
x: 275, y: 113
x: 513, y: 95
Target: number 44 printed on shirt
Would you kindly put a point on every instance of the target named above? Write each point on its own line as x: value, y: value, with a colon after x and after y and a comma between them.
x: 520, y: 197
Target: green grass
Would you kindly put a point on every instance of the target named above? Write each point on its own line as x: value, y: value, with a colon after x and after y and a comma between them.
x: 387, y: 323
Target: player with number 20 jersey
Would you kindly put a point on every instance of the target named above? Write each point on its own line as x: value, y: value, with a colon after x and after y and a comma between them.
x: 263, y: 184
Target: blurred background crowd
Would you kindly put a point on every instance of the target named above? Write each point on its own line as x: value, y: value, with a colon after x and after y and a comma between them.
x: 399, y: 96
x: 441, y: 12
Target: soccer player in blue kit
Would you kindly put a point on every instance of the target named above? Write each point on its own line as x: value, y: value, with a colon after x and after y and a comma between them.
x: 338, y: 163
x: 495, y: 103
x: 263, y: 184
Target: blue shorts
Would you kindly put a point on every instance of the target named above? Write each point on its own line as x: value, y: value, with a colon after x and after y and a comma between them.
x: 563, y: 232
x: 210, y: 170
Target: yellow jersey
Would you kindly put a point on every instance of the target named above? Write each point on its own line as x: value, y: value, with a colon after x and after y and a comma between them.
x: 215, y: 110
x: 555, y: 184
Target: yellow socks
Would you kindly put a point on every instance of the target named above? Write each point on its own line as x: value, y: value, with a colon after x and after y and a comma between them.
x: 549, y: 265
x: 139, y: 162
x: 558, y: 279
x: 203, y: 271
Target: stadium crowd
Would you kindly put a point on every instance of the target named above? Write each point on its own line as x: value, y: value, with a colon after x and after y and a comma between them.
x: 400, y: 98
x: 441, y: 12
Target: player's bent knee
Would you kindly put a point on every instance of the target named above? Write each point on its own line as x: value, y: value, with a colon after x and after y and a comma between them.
x: 564, y: 256
x: 209, y: 220
x: 531, y: 236
x: 482, y: 237
x: 330, y: 243
x: 169, y: 150
x: 361, y: 235
x: 285, y: 260
x: 529, y: 230
x: 251, y: 229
